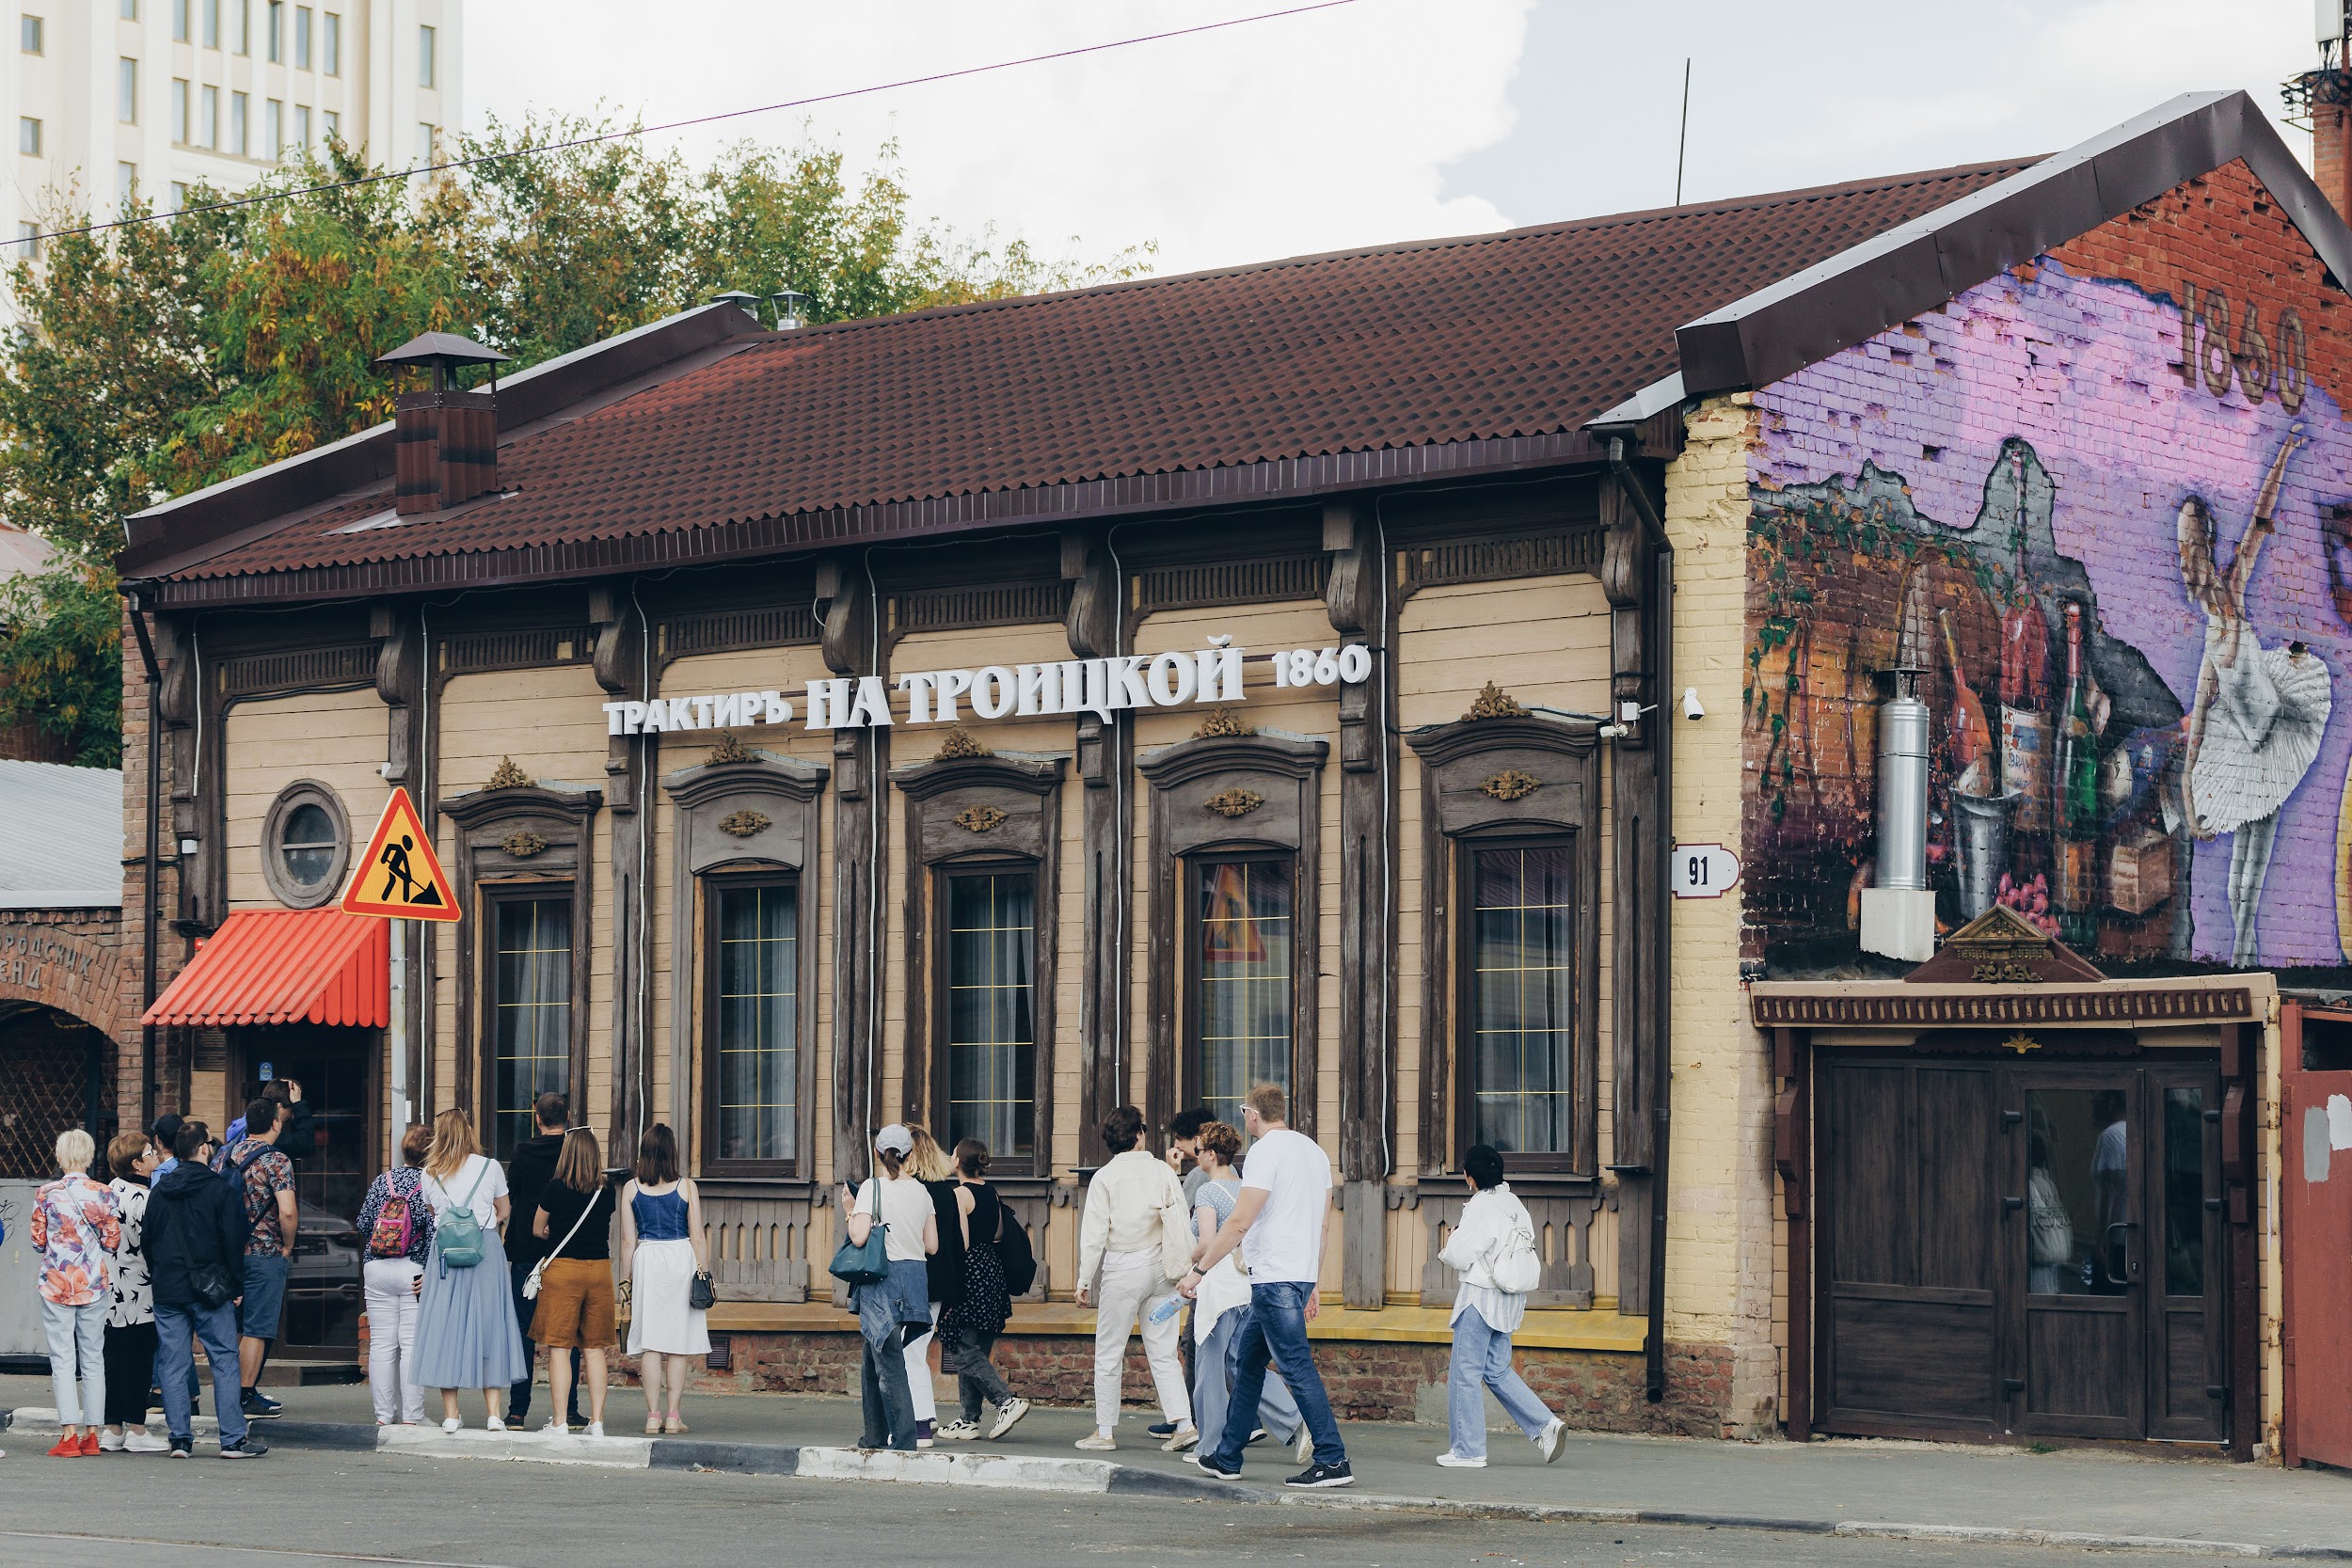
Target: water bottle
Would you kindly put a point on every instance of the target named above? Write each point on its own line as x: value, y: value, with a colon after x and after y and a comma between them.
x: 1166, y: 1310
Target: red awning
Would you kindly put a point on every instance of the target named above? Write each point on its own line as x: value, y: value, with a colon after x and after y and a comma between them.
x: 284, y: 966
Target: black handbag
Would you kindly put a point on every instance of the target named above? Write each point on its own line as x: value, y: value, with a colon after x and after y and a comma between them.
x: 213, y: 1287
x: 702, y: 1295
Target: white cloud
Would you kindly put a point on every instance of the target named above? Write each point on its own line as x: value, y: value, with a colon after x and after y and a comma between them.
x: 1307, y: 133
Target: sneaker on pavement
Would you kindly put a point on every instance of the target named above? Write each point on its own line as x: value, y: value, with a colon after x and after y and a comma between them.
x: 1203, y: 1459
x: 959, y: 1431
x: 67, y: 1447
x: 1184, y: 1437
x: 496, y: 1423
x: 555, y: 1428
x: 1007, y: 1416
x: 926, y: 1433
x: 1098, y: 1441
x: 259, y: 1406
x: 1453, y: 1461
x: 595, y: 1428
x: 1257, y: 1434
x: 140, y: 1440
x: 247, y: 1447
x: 1549, y: 1443
x: 1323, y: 1475
x: 110, y: 1441
x: 1160, y: 1429
x: 90, y: 1446
x: 1304, y: 1449
x: 182, y: 1447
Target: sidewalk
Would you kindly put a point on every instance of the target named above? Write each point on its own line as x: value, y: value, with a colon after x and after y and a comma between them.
x: 2076, y: 1497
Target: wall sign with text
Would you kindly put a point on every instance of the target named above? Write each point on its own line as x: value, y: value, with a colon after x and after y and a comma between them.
x: 1705, y: 871
x: 1069, y: 686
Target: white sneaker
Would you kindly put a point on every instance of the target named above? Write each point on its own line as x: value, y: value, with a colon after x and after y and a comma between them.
x: 494, y: 1424
x: 1453, y: 1461
x: 1304, y: 1450
x: 595, y: 1428
x: 555, y: 1428
x: 1006, y: 1415
x: 1550, y: 1442
x: 110, y: 1441
x: 140, y: 1440
x: 1098, y: 1441
x: 453, y: 1423
x: 1182, y: 1438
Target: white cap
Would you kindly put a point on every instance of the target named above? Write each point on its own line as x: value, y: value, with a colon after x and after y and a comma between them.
x: 895, y: 1139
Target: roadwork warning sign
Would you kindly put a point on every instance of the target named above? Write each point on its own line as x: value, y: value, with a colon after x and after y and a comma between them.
x: 399, y: 878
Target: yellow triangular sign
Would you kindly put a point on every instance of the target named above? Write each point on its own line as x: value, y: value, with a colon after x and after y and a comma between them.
x: 400, y: 878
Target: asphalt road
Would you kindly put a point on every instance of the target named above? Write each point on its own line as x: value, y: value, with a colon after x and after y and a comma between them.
x: 296, y: 1510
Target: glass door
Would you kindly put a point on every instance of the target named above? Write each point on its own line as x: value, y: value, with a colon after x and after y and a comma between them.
x: 2187, y: 1356
x: 2077, y: 1366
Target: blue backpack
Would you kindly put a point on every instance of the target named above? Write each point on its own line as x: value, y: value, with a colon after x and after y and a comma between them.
x: 458, y: 1234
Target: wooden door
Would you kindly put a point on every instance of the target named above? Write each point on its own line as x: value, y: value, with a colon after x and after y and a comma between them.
x: 2081, y: 1318
x: 2315, y: 1204
x: 2189, y: 1350
x: 1909, y: 1248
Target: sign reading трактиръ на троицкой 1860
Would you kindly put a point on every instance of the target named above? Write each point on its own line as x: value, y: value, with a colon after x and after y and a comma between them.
x: 1071, y: 686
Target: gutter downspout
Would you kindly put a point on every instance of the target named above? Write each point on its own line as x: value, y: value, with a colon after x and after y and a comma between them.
x: 154, y: 793
x: 1661, y: 1096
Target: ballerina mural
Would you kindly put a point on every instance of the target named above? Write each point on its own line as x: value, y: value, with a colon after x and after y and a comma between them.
x: 2259, y: 714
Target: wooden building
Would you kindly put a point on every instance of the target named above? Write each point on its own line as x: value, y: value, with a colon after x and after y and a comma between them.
x: 1445, y: 678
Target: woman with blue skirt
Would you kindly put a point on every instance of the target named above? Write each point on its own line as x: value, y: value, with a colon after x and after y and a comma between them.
x: 466, y: 1334
x: 894, y: 1309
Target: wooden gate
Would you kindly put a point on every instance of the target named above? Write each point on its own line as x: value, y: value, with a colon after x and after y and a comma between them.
x: 2315, y: 1234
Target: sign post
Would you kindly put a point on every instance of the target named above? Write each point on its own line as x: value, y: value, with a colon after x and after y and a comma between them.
x: 400, y: 879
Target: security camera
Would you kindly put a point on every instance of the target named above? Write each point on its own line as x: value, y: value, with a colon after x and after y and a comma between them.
x: 1692, y: 707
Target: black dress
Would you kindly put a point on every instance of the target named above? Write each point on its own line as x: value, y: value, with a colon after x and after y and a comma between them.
x: 946, y: 1266
x: 986, y: 1306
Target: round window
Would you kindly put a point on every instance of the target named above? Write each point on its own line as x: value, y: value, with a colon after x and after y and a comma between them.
x: 309, y: 846
x: 306, y: 844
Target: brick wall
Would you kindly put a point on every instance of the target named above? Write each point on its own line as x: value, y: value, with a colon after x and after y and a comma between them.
x: 2029, y: 445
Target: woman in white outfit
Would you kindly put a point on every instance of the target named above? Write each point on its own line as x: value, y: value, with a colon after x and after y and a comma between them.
x: 1136, y: 1239
x: 396, y: 1221
x: 2259, y: 714
x: 662, y: 1252
x: 1494, y: 1223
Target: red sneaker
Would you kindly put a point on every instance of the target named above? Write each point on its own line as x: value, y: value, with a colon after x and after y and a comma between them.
x: 89, y: 1445
x: 69, y: 1447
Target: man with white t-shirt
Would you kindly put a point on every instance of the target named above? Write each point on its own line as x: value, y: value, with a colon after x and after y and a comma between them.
x: 1278, y: 1224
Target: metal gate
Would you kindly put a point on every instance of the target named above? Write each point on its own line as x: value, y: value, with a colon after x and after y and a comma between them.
x: 2315, y: 1233
x: 20, y: 1284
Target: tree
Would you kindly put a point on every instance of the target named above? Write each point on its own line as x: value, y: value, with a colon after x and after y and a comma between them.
x: 160, y: 357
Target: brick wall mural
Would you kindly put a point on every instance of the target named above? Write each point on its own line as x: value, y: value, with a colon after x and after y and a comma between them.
x: 2125, y: 572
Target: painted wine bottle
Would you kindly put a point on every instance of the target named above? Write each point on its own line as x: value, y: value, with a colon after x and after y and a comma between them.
x: 2075, y: 790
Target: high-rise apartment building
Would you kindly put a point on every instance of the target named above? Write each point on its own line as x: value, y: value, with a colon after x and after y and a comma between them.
x: 156, y: 97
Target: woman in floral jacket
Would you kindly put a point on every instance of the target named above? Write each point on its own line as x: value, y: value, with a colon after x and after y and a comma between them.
x: 76, y: 1225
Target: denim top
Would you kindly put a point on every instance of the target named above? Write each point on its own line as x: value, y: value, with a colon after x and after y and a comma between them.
x: 660, y: 1218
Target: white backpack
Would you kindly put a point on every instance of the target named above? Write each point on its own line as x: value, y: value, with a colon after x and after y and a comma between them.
x: 1517, y: 1266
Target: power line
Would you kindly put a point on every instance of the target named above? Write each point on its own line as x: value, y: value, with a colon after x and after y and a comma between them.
x: 683, y: 124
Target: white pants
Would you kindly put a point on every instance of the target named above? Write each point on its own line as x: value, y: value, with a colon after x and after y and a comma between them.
x: 918, y: 1354
x: 1131, y: 1286
x: 77, y: 1334
x: 392, y: 1339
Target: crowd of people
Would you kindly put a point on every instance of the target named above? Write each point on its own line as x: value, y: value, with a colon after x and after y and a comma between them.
x: 1211, y: 1251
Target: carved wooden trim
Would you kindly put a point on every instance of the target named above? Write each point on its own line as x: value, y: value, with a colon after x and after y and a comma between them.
x: 523, y: 843
x: 979, y: 820
x: 720, y: 631
x: 1554, y: 553
x: 961, y: 609
x: 507, y: 776
x: 745, y: 823
x: 2002, y: 1006
x: 1492, y: 702
x: 467, y: 653
x: 1284, y: 774
x: 1512, y: 783
x: 1232, y: 803
x: 296, y: 668
x: 1206, y: 585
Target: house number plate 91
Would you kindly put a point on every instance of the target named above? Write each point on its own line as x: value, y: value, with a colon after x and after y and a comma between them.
x: 1705, y: 871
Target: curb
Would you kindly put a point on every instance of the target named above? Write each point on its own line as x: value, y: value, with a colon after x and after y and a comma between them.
x: 1095, y: 1477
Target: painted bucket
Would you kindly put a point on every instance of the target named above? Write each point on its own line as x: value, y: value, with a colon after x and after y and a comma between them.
x: 1981, y: 833
x: 2026, y: 767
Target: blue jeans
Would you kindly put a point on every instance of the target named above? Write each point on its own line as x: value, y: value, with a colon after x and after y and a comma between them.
x: 1275, y: 1326
x: 1212, y: 1378
x: 177, y: 1329
x: 1480, y: 1356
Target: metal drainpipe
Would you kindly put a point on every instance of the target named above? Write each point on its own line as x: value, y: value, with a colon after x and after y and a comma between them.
x: 1662, y: 736
x: 154, y: 793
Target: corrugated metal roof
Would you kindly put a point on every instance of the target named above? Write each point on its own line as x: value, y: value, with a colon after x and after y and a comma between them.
x: 21, y: 553
x: 284, y: 966
x: 61, y: 848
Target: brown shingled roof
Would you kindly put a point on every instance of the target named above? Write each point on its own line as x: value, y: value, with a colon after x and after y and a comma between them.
x: 1427, y: 357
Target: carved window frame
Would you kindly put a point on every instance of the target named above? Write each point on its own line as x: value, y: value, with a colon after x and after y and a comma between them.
x: 1497, y: 782
x: 998, y: 813
x: 737, y: 823
x: 281, y: 884
x: 523, y: 841
x: 1253, y: 797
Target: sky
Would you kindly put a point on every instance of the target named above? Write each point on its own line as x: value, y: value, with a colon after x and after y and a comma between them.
x: 1375, y: 121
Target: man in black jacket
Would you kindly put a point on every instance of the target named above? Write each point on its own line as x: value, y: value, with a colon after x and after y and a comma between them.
x: 527, y: 1172
x: 194, y: 1246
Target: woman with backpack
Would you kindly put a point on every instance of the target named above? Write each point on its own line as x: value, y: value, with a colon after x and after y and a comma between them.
x: 970, y: 1325
x: 573, y: 1284
x: 662, y: 1252
x: 466, y: 1334
x: 398, y: 1223
x: 1492, y: 1254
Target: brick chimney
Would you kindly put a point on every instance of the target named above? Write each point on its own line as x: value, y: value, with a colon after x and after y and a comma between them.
x: 2325, y: 94
x: 445, y: 442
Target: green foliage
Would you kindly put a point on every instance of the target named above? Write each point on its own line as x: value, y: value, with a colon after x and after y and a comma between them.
x: 152, y: 360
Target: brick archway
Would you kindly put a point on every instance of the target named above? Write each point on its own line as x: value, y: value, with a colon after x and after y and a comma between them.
x: 50, y: 967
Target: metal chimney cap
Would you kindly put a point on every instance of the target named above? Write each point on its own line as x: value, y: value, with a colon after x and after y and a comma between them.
x: 747, y: 303
x: 439, y: 351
